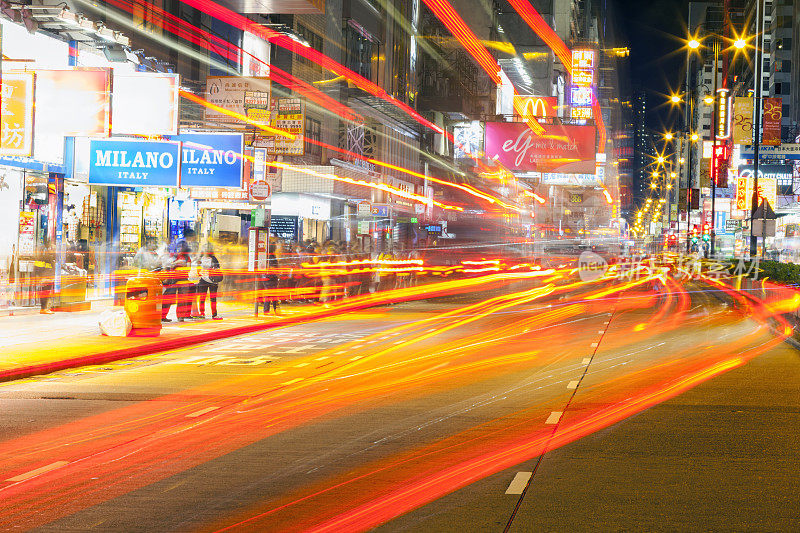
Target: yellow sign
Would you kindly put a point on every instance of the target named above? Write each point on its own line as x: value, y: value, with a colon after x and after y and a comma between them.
x: 581, y: 113
x: 262, y: 116
x: 583, y: 59
x: 16, y: 120
x: 722, y: 119
x: 767, y: 189
x: 742, y: 124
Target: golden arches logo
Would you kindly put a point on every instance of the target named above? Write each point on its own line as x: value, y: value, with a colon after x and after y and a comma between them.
x: 534, y: 106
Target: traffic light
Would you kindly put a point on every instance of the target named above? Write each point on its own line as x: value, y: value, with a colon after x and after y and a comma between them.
x: 706, y: 232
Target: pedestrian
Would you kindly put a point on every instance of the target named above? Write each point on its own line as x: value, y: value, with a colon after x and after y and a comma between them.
x: 180, y: 290
x: 210, y: 278
x: 146, y: 258
x: 44, y: 268
x: 269, y: 283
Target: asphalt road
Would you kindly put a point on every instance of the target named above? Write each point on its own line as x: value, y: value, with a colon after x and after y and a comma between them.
x: 529, y: 409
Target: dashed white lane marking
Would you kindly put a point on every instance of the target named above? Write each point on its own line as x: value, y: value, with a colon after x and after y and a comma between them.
x: 398, y: 342
x: 356, y: 358
x: 593, y: 345
x: 432, y: 329
x: 607, y: 322
x: 339, y: 353
x: 277, y: 372
x: 202, y: 412
x: 40, y: 470
x: 519, y: 482
x: 601, y: 332
x: 554, y: 417
x: 572, y: 385
x: 291, y: 381
x: 322, y: 358
x: 586, y: 361
x: 301, y: 365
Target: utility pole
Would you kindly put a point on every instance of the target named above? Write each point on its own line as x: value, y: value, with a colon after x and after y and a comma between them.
x: 757, y: 77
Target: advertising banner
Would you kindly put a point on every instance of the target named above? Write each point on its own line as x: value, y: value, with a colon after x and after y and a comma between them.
x: 134, y: 163
x: 560, y: 149
x: 742, y: 123
x: 145, y: 103
x: 211, y: 159
x: 227, y: 92
x: 767, y: 188
x: 16, y: 119
x: 772, y: 115
x: 782, y: 174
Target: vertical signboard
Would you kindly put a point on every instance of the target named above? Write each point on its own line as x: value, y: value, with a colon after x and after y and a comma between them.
x: 16, y: 119
x: 743, y: 120
x: 772, y: 115
x: 581, y: 93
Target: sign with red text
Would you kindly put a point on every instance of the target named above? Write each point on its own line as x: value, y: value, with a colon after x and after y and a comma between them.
x: 561, y: 148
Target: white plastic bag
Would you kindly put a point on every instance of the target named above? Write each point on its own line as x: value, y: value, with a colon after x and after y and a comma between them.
x: 115, y: 323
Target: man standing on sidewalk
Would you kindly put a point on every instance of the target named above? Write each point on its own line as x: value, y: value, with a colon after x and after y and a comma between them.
x: 44, y: 268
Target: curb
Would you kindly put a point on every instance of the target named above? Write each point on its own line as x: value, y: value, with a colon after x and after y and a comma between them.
x: 360, y: 302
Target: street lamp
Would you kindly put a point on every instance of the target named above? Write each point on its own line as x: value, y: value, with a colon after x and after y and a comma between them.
x: 708, y: 99
x: 668, y: 136
x: 693, y: 44
x: 675, y: 99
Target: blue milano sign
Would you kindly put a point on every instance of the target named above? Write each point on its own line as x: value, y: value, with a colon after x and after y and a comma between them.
x: 134, y: 163
x: 211, y: 159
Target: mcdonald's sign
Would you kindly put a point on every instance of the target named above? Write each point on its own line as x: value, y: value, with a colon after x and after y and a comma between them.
x: 535, y: 106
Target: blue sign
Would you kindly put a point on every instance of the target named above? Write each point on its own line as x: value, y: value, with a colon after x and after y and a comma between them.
x: 31, y: 164
x: 211, y: 159
x: 380, y: 210
x: 719, y: 225
x: 134, y: 163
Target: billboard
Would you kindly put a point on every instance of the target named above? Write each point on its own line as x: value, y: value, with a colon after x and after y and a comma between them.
x: 227, y: 92
x: 560, y: 149
x: 211, y: 159
x: 145, y: 103
x: 744, y: 192
x: 75, y: 102
x: 782, y: 174
x: 771, y: 132
x: 16, y: 118
x: 134, y: 163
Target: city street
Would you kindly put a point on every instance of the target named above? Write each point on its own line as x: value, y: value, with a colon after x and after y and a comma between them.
x: 530, y: 407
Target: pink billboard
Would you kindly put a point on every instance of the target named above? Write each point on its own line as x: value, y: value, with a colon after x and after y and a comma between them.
x: 564, y: 149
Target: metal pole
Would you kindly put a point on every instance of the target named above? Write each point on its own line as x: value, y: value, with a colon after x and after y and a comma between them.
x: 757, y: 76
x: 687, y: 135
x: 714, y: 169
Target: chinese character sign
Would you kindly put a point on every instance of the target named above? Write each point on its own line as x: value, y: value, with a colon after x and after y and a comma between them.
x: 583, y: 59
x: 773, y: 112
x: 16, y: 120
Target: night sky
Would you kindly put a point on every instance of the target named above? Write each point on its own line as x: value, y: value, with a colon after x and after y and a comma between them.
x: 652, y: 28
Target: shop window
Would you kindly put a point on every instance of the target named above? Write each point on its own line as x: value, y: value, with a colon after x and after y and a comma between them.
x: 358, y: 50
x: 313, y: 133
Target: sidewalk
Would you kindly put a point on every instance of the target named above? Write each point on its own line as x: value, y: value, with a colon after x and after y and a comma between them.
x: 37, y: 344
